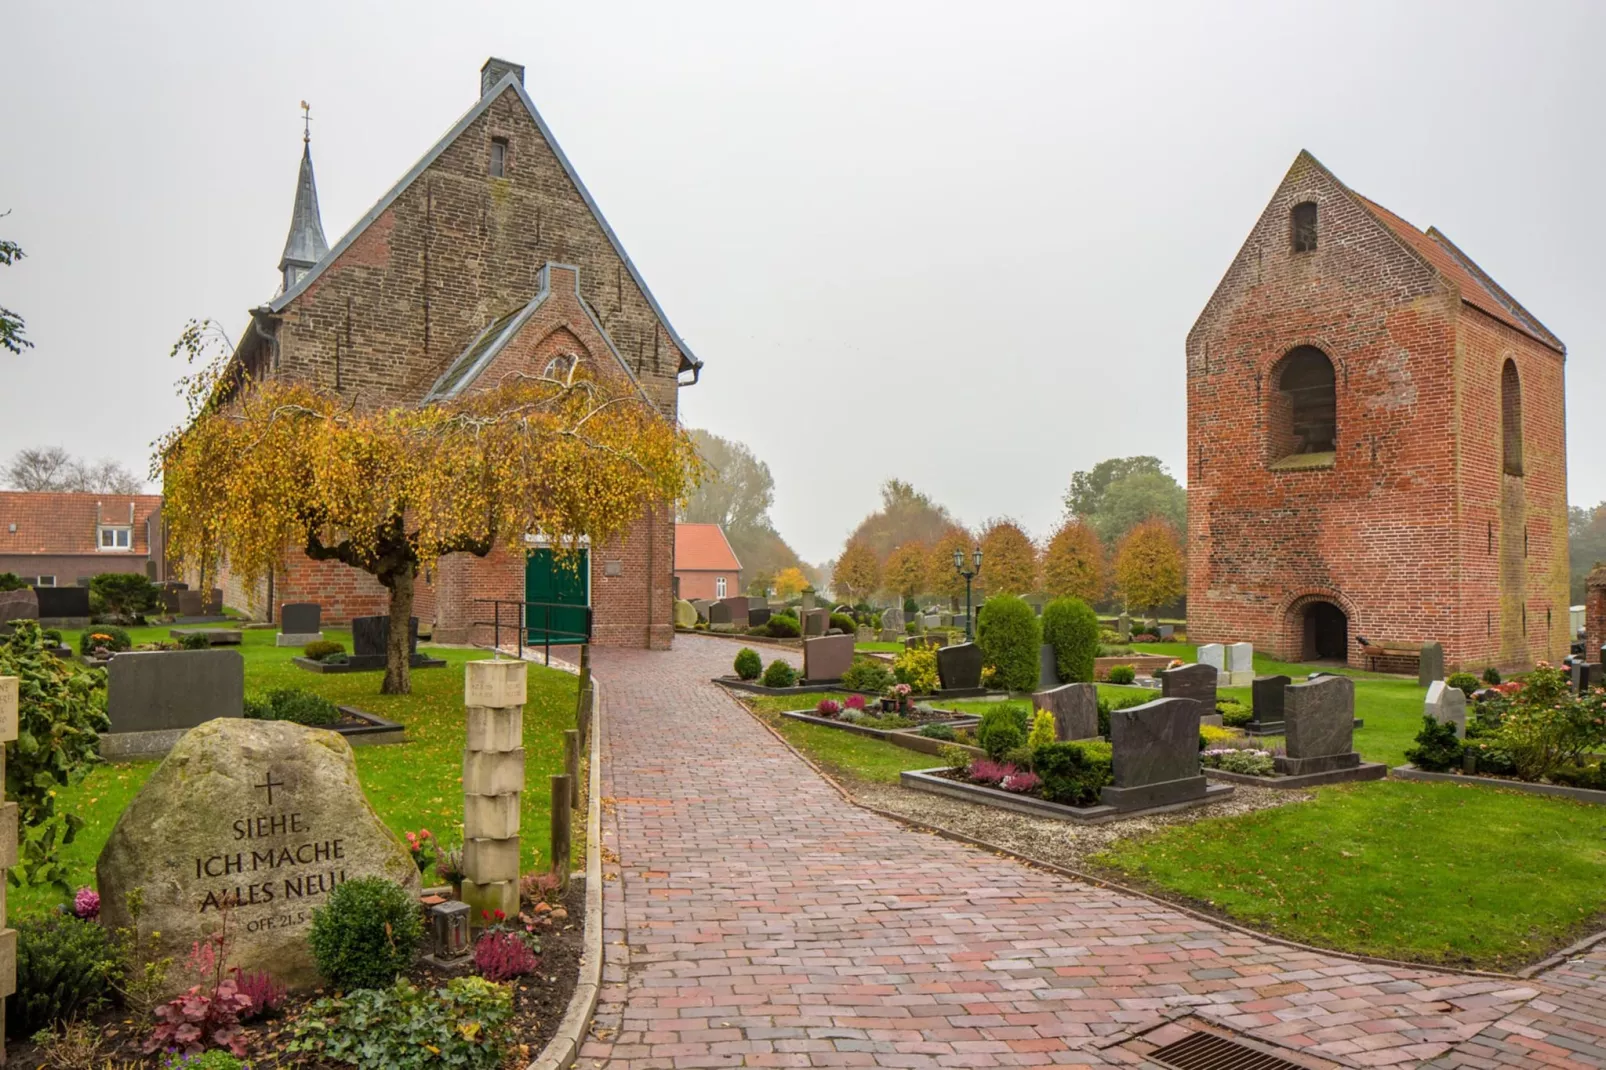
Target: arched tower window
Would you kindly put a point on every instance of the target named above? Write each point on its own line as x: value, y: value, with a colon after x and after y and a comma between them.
x: 1304, y: 409
x: 1303, y: 227
x: 1511, y: 419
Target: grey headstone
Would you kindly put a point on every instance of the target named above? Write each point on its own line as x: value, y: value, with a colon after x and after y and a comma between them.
x: 864, y: 634
x: 1449, y: 704
x: 300, y: 618
x: 370, y: 634
x: 719, y: 613
x: 1430, y: 665
x: 150, y: 691
x: 1319, y: 726
x: 1155, y: 754
x: 1168, y: 631
x: 1213, y: 655
x: 701, y: 605
x: 1266, y: 696
x: 816, y: 622
x: 18, y: 605
x: 1123, y: 625
x: 959, y: 667
x: 1048, y: 674
x: 888, y: 636
x: 1241, y: 658
x: 1075, y: 708
x: 892, y: 620
x: 1196, y: 681
x: 827, y: 658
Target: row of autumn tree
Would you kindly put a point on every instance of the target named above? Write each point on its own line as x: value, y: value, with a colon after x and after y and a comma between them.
x: 1120, y: 539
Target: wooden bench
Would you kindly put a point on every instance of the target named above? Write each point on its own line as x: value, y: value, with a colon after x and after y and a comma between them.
x: 1408, y: 653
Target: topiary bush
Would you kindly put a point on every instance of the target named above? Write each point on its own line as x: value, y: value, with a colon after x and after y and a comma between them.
x: 748, y: 665
x: 780, y: 674
x: 847, y: 624
x: 64, y: 970
x: 125, y: 596
x: 320, y: 649
x: 1464, y: 681
x: 1437, y: 747
x: 1010, y: 641
x: 1122, y: 674
x: 1002, y: 729
x: 782, y: 627
x: 1491, y: 676
x: 292, y: 704
x: 365, y: 934
x: 870, y: 677
x: 114, y: 639
x: 194, y: 641
x: 1073, y: 773
x: 1072, y: 628
x: 1234, y: 714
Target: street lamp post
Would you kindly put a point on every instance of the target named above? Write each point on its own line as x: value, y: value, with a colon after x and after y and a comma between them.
x: 969, y: 574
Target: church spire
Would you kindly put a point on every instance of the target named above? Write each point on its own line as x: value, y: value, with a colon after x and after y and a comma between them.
x: 306, y: 245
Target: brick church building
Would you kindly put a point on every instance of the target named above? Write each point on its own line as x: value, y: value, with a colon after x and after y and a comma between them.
x: 1376, y: 444
x: 488, y: 256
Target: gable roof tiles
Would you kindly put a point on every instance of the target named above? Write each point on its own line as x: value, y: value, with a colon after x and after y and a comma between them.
x: 62, y: 522
x: 703, y: 548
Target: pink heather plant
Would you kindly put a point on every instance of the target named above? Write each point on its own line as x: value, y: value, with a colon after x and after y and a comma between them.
x: 1023, y: 783
x: 855, y: 702
x: 828, y: 707
x: 988, y: 772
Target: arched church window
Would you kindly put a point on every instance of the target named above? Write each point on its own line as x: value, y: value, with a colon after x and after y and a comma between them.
x: 1303, y: 422
x: 1510, y: 419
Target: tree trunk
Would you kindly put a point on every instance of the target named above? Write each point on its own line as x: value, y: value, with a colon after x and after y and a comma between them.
x: 398, y: 663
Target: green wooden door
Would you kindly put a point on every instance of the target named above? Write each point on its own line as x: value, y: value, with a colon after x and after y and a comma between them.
x: 561, y: 591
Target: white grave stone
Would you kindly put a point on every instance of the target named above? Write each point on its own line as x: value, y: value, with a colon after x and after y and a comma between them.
x: 1446, y: 703
x: 1240, y: 664
x: 1213, y: 655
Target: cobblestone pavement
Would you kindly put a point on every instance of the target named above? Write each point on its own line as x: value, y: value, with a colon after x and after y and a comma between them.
x: 756, y: 918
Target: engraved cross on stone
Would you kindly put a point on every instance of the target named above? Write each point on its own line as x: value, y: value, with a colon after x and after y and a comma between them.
x: 269, y: 783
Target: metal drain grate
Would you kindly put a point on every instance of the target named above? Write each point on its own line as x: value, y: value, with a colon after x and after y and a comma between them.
x: 1208, y: 1051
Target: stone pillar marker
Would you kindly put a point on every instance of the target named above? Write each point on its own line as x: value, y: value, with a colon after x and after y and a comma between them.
x: 493, y: 780
x: 9, y: 686
x: 1430, y: 664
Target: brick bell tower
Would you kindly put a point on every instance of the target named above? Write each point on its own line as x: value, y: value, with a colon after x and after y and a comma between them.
x: 1376, y: 444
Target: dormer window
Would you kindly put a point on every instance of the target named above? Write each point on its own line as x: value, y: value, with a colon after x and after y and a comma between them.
x: 115, y: 538
x: 1304, y: 227
x: 499, y: 157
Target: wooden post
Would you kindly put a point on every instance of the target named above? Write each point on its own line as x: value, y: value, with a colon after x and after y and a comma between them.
x: 562, y: 827
x: 493, y: 778
x: 9, y: 713
x: 571, y: 764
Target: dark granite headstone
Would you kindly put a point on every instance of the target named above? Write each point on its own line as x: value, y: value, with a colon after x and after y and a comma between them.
x: 1196, y: 681
x: 149, y: 691
x: 757, y: 615
x: 1319, y: 726
x: 300, y: 618
x: 1586, y: 676
x: 214, y: 602
x: 170, y: 600
x: 191, y: 604
x: 1430, y: 664
x: 1075, y: 708
x: 1155, y: 754
x: 735, y: 612
x: 959, y: 667
x: 826, y: 658
x: 720, y: 613
x: 1047, y: 671
x: 1266, y: 697
x: 56, y: 603
x: 369, y: 635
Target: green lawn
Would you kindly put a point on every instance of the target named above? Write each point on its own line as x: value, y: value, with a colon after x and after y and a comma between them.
x: 842, y: 754
x: 413, y: 785
x: 879, y: 647
x: 1426, y: 872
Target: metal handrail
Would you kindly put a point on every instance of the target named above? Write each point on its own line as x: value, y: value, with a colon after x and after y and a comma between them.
x: 523, y: 629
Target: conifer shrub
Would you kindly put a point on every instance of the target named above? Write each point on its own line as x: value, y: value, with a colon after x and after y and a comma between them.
x: 64, y: 968
x: 365, y: 934
x: 1437, y: 747
x: 748, y: 665
x: 1002, y: 729
x: 1072, y: 628
x: 780, y: 674
x: 1010, y: 640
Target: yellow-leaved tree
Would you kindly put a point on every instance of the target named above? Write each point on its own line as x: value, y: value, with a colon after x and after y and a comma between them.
x: 905, y: 571
x: 789, y: 582
x: 941, y: 577
x: 1148, y: 566
x: 1073, y: 563
x: 263, y: 468
x: 1008, y: 559
x: 857, y: 573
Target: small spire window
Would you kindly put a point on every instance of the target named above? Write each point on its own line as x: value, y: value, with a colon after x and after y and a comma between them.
x: 1304, y: 227
x: 499, y: 157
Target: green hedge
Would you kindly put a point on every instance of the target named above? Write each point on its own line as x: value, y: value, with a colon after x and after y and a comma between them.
x: 1010, y: 639
x: 1072, y: 628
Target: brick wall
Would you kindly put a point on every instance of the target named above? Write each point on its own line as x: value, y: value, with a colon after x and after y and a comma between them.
x: 67, y: 568
x: 702, y: 584
x: 1397, y: 530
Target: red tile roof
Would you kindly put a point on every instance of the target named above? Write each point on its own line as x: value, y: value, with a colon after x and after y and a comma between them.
x: 49, y: 522
x: 1476, y: 287
x: 703, y: 548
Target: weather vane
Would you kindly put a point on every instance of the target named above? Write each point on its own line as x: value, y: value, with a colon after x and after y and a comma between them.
x: 306, y: 122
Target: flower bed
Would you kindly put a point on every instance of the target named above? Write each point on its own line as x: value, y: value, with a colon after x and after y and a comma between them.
x: 1143, y: 664
x: 1232, y: 756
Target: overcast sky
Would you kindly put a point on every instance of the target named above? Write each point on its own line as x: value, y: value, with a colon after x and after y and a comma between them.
x: 960, y: 244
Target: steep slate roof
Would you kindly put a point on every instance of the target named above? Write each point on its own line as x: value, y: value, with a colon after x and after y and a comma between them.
x: 63, y: 522
x: 703, y: 548
x: 509, y: 81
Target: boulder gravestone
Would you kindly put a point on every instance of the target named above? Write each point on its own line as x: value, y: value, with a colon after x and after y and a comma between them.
x: 959, y: 667
x: 1196, y: 681
x: 154, y: 697
x: 1266, y: 695
x: 1155, y: 754
x: 826, y: 658
x: 1075, y: 708
x: 263, y: 816
x: 1448, y: 704
x: 1430, y: 664
x: 300, y: 623
x: 1319, y: 726
x: 685, y: 614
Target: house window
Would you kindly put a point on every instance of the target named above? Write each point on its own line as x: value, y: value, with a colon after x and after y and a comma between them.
x: 1304, y: 227
x: 46, y: 581
x: 1511, y: 419
x: 1303, y: 422
x: 719, y: 586
x: 499, y: 157
x: 116, y: 538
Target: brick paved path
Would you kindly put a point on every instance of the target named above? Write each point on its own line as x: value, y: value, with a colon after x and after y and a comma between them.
x: 755, y: 918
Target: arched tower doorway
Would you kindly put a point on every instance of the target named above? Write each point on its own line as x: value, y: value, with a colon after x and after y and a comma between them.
x: 1325, y: 628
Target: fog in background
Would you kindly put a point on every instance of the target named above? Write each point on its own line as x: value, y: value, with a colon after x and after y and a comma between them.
x: 956, y: 244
